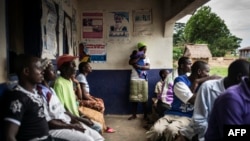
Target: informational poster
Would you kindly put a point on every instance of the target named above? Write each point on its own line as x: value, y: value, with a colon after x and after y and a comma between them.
x: 118, y: 25
x: 69, y: 35
x: 142, y: 20
x: 96, y: 51
x: 92, y: 25
x: 74, y: 31
x: 48, y: 26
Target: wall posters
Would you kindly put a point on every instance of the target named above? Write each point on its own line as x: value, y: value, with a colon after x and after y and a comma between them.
x: 96, y: 51
x: 142, y: 20
x: 48, y: 26
x: 118, y: 26
x: 92, y: 25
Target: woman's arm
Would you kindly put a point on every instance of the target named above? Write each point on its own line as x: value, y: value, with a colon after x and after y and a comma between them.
x: 85, y: 94
x: 146, y: 67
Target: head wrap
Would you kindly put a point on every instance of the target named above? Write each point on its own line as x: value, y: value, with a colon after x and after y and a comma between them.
x: 45, y: 63
x: 140, y: 45
x: 65, y: 58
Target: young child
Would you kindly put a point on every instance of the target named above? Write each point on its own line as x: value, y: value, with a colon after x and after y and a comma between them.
x: 139, y: 56
x: 164, y: 92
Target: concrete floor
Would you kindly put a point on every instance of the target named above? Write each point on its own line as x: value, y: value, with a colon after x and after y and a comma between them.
x: 126, y: 130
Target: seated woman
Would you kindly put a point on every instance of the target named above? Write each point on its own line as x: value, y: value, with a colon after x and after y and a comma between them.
x: 87, y: 99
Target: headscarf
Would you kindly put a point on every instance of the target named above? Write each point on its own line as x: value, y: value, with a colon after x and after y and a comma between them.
x: 45, y: 63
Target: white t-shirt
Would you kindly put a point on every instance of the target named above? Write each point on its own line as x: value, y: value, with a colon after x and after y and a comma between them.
x: 55, y: 109
x: 82, y: 79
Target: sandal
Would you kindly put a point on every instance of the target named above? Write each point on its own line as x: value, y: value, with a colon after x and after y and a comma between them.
x: 132, y: 117
x: 109, y: 130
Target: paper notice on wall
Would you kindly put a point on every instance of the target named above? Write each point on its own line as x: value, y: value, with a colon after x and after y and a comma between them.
x: 118, y: 26
x: 142, y: 20
x: 48, y: 27
x: 97, y: 51
x: 92, y: 25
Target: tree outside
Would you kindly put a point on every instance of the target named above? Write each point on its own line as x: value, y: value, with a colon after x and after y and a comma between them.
x: 207, y: 28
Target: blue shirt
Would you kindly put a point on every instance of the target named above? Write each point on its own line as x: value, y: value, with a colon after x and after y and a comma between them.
x: 180, y: 106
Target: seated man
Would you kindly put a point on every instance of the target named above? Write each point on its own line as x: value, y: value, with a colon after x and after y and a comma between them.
x: 230, y: 108
x: 181, y: 110
x: 63, y: 124
x: 206, y: 96
x: 24, y: 113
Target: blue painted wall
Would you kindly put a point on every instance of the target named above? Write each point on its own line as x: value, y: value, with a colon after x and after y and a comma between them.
x: 113, y: 87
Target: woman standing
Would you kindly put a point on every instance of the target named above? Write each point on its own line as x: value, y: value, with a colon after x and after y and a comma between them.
x: 139, y: 83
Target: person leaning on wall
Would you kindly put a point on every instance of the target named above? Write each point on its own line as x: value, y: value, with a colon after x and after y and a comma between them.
x: 138, y: 81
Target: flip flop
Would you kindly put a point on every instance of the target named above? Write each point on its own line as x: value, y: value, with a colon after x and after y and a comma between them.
x: 109, y: 130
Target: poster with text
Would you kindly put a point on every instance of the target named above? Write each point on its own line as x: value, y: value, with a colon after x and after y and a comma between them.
x: 97, y: 52
x: 48, y: 29
x: 142, y: 20
x: 118, y: 26
x: 92, y: 25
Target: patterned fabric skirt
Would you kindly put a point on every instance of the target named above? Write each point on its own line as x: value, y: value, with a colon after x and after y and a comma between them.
x: 93, y: 115
x: 138, y: 90
x: 96, y: 104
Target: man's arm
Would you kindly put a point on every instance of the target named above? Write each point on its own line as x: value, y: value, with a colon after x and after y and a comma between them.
x: 200, y: 115
x: 82, y: 119
x: 195, y: 85
x: 11, y: 131
x: 58, y: 124
x: 199, y: 81
x: 77, y: 87
x: 183, y: 92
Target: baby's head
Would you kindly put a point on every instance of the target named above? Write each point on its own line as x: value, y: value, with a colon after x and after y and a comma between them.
x: 137, y: 54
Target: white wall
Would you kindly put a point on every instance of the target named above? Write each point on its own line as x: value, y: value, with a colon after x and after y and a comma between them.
x: 159, y: 47
x: 3, y: 70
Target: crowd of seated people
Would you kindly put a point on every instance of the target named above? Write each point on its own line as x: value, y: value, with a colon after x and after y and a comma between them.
x: 192, y: 115
x: 192, y: 107
x: 43, y: 106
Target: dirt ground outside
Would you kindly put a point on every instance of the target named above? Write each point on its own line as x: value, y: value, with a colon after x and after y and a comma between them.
x: 220, y: 61
x: 217, y: 61
x: 220, y: 65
